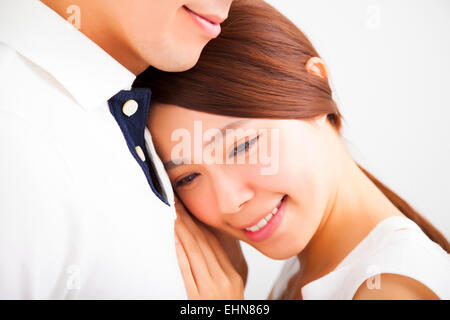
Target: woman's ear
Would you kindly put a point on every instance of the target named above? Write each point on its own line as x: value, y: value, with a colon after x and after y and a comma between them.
x: 316, y: 67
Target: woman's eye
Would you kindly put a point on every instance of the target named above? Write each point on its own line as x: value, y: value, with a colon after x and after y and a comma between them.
x: 186, y: 180
x: 243, y: 146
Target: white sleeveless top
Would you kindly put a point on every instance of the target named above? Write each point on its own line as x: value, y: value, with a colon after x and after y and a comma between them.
x: 396, y: 245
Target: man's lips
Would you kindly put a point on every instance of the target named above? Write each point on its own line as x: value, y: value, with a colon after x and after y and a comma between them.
x: 212, y: 18
x: 210, y: 29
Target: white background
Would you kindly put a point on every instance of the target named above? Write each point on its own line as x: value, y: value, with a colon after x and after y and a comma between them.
x: 389, y: 64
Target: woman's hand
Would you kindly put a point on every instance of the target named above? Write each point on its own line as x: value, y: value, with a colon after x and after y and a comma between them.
x: 207, y: 271
x: 232, y: 247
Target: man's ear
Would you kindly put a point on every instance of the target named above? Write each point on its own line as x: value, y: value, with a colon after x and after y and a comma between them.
x: 316, y: 67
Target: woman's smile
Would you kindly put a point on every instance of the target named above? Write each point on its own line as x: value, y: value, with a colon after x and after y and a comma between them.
x: 266, y: 226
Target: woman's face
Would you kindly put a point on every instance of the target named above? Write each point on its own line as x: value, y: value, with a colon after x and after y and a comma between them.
x: 281, y: 178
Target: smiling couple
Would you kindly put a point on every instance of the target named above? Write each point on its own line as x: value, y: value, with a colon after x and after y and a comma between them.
x: 90, y: 180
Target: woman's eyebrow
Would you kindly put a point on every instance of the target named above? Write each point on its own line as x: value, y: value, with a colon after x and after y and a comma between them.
x: 169, y: 165
x: 226, y: 129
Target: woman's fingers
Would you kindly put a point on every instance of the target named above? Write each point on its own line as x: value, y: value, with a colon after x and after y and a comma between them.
x: 193, y: 226
x: 193, y: 252
x: 202, y: 268
x: 186, y: 272
x: 220, y: 253
x: 232, y: 247
x: 231, y: 283
x: 199, y: 265
x: 216, y: 257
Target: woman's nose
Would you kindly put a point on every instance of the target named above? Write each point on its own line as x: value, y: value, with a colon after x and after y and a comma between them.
x: 231, y: 192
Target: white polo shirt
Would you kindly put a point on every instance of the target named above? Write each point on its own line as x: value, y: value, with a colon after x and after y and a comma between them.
x: 78, y: 219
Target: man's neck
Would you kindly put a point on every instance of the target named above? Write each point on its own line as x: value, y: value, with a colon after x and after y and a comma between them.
x: 92, y: 20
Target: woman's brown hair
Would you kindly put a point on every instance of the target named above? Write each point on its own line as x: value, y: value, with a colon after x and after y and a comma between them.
x: 256, y: 69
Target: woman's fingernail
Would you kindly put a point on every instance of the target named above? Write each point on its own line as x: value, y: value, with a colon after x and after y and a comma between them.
x: 177, y: 241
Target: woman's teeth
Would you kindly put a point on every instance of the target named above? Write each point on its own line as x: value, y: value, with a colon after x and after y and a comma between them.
x: 264, y: 220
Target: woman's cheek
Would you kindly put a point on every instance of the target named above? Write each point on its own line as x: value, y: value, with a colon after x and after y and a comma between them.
x: 201, y: 203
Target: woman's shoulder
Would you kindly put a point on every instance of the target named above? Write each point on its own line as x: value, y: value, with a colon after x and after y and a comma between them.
x: 403, y: 263
x: 396, y: 255
x: 399, y: 239
x: 395, y: 287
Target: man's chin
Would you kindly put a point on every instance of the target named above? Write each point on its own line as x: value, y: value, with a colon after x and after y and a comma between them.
x: 181, y: 62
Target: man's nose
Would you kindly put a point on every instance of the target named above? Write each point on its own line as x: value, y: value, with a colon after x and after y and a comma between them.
x: 231, y: 192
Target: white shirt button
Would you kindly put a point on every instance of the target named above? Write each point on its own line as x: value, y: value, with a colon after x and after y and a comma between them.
x: 140, y: 153
x: 130, y: 107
